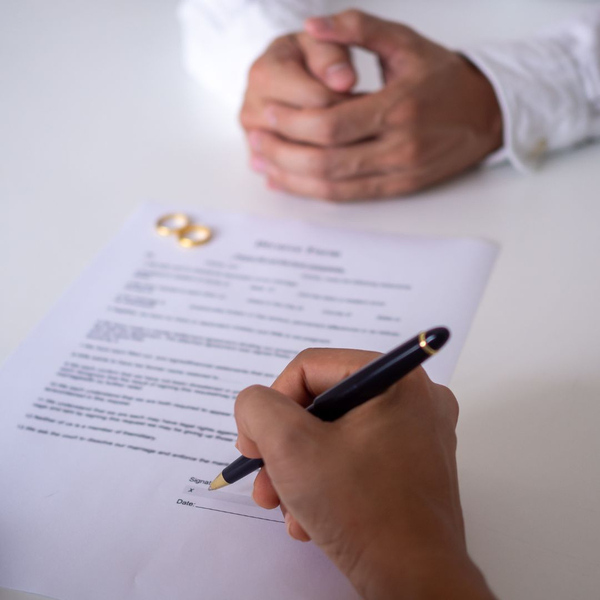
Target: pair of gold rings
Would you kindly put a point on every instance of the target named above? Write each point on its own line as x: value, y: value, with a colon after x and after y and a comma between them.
x: 180, y: 225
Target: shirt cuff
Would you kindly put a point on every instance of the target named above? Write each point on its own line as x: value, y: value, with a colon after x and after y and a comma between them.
x: 541, y: 96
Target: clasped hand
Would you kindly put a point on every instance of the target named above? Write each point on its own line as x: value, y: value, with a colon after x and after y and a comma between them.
x: 435, y: 116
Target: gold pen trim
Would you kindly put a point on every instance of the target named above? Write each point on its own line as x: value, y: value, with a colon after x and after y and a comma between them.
x: 424, y: 345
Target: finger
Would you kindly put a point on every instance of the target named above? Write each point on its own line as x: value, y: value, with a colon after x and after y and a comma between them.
x: 289, y: 83
x: 316, y: 370
x: 294, y: 529
x: 264, y: 493
x: 356, y: 119
x: 364, y: 158
x: 246, y: 446
x: 273, y: 427
x: 280, y: 74
x: 355, y: 27
x: 370, y: 187
x: 329, y: 62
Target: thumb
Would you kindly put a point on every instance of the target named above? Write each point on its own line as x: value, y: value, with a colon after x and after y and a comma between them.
x: 331, y: 63
x: 354, y: 27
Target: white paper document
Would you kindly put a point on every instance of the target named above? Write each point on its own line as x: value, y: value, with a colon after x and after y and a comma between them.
x: 117, y: 412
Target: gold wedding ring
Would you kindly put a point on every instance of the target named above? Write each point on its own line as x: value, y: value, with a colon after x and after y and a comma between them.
x: 172, y: 223
x: 194, y: 235
x: 179, y: 224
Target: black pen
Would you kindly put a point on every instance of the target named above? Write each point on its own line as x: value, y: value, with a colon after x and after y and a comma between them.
x: 367, y: 383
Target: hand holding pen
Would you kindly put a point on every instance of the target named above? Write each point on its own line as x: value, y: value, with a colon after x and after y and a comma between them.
x: 352, y: 391
x: 376, y: 490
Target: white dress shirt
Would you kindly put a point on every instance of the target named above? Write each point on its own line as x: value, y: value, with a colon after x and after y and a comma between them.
x: 548, y: 86
x: 222, y: 38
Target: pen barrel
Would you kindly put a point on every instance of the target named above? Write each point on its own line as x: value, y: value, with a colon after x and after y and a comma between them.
x: 368, y: 383
x: 241, y: 467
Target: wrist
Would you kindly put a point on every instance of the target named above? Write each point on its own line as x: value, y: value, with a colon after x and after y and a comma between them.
x: 485, y: 107
x: 425, y: 575
x: 422, y: 557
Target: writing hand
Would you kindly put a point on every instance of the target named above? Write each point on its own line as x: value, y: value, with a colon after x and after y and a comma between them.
x: 377, y: 490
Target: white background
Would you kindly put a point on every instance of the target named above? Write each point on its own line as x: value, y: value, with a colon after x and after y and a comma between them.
x: 96, y: 115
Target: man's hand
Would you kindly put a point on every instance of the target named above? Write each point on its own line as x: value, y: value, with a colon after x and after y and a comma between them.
x: 436, y: 116
x: 295, y: 71
x: 377, y: 490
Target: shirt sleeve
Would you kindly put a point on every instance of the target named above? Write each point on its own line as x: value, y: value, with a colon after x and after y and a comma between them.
x: 548, y: 88
x: 222, y: 38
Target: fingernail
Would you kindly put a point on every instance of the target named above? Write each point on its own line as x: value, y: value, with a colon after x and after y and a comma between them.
x: 254, y: 139
x: 319, y: 24
x: 339, y: 75
x: 288, y: 523
x: 274, y: 185
x: 259, y: 164
x: 270, y: 115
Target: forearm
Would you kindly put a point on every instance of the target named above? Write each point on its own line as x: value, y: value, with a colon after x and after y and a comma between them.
x: 548, y: 88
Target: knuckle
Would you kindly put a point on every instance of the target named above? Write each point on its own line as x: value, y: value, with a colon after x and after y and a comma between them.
x: 359, y: 164
x: 319, y: 97
x: 412, y: 152
x: 328, y: 190
x: 292, y: 432
x: 245, y: 117
x: 282, y: 41
x: 379, y: 189
x: 307, y: 355
x: 272, y: 149
x: 411, y: 183
x: 257, y: 74
x: 320, y: 189
x: 283, y: 48
x: 402, y: 114
x: 398, y: 186
x: 409, y: 111
x: 304, y: 39
x: 328, y: 131
x: 392, y: 161
x: 291, y: 439
x: 353, y: 19
x: 313, y: 163
x: 442, y: 403
x: 330, y: 163
x: 450, y: 404
x: 303, y: 358
x: 418, y: 381
x: 389, y: 189
x: 322, y: 163
x: 409, y: 38
x: 402, y: 185
x: 248, y: 395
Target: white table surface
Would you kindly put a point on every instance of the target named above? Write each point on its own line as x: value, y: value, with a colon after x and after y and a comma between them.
x: 97, y: 115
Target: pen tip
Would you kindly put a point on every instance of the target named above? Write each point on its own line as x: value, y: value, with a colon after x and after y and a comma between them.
x: 217, y: 483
